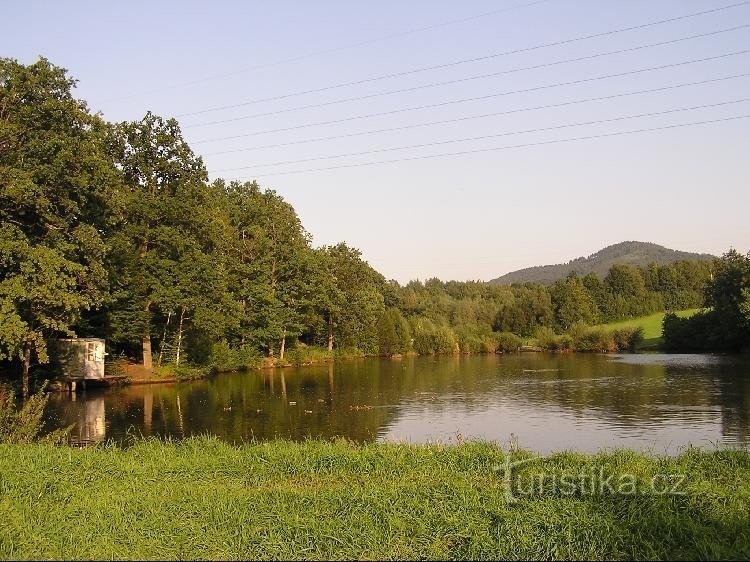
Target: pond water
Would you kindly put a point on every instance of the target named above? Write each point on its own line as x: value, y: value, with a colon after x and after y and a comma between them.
x: 544, y: 402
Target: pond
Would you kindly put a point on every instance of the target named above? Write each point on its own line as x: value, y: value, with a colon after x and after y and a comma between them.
x: 543, y: 402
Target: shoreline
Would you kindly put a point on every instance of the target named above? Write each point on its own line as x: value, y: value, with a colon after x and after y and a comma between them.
x: 143, y: 379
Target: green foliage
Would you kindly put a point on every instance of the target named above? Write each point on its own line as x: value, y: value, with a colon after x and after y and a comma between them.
x: 573, y: 302
x: 24, y: 424
x: 303, y: 354
x: 508, y: 342
x: 113, y: 230
x: 430, y: 339
x: 189, y: 372
x: 547, y: 339
x: 394, y: 334
x: 225, y: 358
x: 726, y: 326
x: 56, y: 198
x: 530, y: 308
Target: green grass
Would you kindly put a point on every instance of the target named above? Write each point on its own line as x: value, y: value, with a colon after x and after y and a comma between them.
x: 652, y: 326
x: 202, y: 498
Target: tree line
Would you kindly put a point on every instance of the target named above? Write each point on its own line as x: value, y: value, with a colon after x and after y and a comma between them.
x: 724, y: 325
x: 114, y: 230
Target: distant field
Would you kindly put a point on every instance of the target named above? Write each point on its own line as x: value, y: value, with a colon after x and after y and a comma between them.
x: 651, y: 325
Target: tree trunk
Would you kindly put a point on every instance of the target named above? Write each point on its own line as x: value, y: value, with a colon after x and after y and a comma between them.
x: 26, y: 365
x: 147, y: 363
x: 283, y: 346
x: 330, y: 334
x: 147, y: 352
x: 147, y: 360
x: 163, y: 339
x: 179, y: 336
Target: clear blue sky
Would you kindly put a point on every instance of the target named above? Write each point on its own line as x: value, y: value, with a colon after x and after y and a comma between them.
x: 466, y: 217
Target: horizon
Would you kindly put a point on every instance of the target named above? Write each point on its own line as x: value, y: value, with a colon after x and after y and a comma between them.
x: 469, y: 217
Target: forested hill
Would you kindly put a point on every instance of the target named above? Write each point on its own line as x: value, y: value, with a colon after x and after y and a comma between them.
x: 631, y: 252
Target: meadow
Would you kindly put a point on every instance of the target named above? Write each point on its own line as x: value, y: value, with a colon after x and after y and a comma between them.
x: 202, y: 498
x: 651, y: 325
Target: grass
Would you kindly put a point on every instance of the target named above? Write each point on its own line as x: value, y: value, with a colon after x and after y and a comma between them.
x: 202, y: 498
x: 652, y: 326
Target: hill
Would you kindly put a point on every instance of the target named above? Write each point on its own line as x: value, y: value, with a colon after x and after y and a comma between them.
x: 634, y: 253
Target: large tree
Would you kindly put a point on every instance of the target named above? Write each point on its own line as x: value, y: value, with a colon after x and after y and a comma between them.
x: 168, y: 230
x: 272, y: 267
x: 56, y: 189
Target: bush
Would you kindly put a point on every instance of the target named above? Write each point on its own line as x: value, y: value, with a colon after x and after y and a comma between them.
x: 546, y: 339
x: 508, y: 342
x: 348, y: 352
x: 424, y: 343
x: 597, y: 340
x: 222, y: 357
x: 394, y: 335
x: 468, y: 342
x: 190, y: 372
x: 302, y: 354
x: 694, y: 334
x: 445, y: 341
x: 428, y: 339
x: 24, y: 424
x: 627, y: 339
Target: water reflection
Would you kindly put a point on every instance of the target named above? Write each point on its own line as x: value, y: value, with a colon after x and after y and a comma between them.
x: 551, y: 402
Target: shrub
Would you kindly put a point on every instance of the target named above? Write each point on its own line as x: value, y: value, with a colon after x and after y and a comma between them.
x: 468, y: 342
x: 24, y: 424
x: 222, y: 357
x: 445, y: 341
x: 190, y: 372
x: 508, y: 342
x: 348, y: 352
x: 546, y: 339
x: 696, y: 333
x: 627, y: 339
x: 302, y: 354
x: 424, y: 342
x: 596, y: 340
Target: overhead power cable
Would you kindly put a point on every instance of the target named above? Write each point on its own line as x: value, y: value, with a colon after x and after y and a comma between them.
x: 507, y: 147
x: 465, y: 61
x: 481, y: 116
x: 469, y: 78
x: 484, y: 137
x: 510, y: 92
x: 333, y: 49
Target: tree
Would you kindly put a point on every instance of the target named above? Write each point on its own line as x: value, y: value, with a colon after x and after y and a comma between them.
x: 394, y: 335
x: 165, y: 220
x: 56, y: 188
x: 572, y: 302
x: 272, y: 266
x: 729, y: 296
x: 352, y: 299
x: 530, y: 308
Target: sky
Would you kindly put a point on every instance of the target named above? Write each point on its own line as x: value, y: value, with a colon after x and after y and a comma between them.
x: 517, y: 197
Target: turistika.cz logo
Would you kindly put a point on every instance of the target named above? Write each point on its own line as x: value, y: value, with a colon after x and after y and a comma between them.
x: 527, y: 478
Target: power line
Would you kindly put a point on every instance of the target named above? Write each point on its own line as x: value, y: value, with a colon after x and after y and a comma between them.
x: 463, y: 61
x: 509, y: 147
x: 333, y: 50
x: 505, y: 93
x: 471, y: 117
x: 484, y: 137
x: 468, y: 78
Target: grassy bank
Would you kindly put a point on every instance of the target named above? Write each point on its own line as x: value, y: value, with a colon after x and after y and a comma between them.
x: 205, y: 499
x: 651, y: 326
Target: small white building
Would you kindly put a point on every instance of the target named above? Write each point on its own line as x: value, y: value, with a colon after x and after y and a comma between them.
x: 80, y: 358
